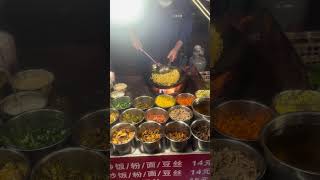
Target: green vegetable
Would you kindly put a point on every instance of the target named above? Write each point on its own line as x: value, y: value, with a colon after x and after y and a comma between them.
x: 121, y: 103
x: 39, y: 138
x: 131, y: 117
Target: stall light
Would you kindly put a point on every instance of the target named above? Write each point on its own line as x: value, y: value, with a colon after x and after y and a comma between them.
x: 125, y: 12
x: 201, y: 7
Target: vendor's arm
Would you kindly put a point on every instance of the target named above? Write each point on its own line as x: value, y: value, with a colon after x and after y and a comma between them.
x: 185, y: 29
x: 135, y: 40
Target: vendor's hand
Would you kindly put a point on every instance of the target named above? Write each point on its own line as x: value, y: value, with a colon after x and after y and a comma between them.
x: 136, y: 43
x: 172, y: 56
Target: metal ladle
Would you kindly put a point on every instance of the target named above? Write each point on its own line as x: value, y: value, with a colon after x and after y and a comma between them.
x: 162, y: 68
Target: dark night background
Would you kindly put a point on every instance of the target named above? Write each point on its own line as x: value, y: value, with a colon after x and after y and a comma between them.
x: 66, y: 37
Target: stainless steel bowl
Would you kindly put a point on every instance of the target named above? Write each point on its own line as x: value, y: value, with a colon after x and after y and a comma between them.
x: 128, y: 147
x: 78, y: 159
x: 188, y: 121
x: 277, y: 167
x: 10, y: 155
x: 198, y: 143
x: 178, y: 146
x: 97, y: 120
x: 157, y: 110
x: 134, y: 111
x: 119, y: 98
x: 31, y: 73
x: 150, y: 147
x: 117, y: 119
x: 293, y: 106
x: 144, y: 99
x: 165, y: 95
x: 35, y: 119
x: 243, y: 107
x: 219, y: 144
x: 19, y: 99
x: 196, y: 113
x: 185, y: 95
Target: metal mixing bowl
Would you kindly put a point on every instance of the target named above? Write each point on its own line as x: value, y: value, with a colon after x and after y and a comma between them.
x: 188, y: 121
x: 157, y: 110
x: 144, y: 99
x: 198, y: 143
x: 134, y: 111
x: 178, y: 146
x: 45, y: 89
x: 278, y: 168
x: 151, y: 147
x: 10, y: 155
x: 219, y: 144
x: 90, y: 122
x: 240, y: 106
x: 35, y: 119
x: 196, y: 113
x: 19, y: 97
x: 75, y: 158
x: 125, y: 148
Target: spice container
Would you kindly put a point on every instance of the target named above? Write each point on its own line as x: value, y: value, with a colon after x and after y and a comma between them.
x: 114, y: 116
x: 157, y: 114
x: 181, y: 113
x: 122, y: 138
x: 150, y: 135
x: 133, y: 116
x: 178, y: 134
x: 121, y: 103
x: 200, y: 130
x: 201, y: 108
x: 165, y: 101
x: 185, y: 99
x: 143, y: 102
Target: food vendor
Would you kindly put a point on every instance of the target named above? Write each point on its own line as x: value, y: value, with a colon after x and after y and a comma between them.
x: 164, y: 29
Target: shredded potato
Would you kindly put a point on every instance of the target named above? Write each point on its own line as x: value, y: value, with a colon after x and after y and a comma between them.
x: 166, y: 79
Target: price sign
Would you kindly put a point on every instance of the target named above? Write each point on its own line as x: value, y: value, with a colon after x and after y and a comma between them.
x: 164, y: 167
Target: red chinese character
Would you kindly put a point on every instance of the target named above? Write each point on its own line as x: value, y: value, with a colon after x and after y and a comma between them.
x: 113, y: 175
x: 122, y: 175
x: 151, y: 165
x: 120, y: 166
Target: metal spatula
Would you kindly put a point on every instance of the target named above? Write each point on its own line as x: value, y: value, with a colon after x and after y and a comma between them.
x: 162, y: 68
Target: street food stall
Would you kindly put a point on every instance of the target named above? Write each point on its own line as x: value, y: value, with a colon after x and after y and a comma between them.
x: 160, y: 117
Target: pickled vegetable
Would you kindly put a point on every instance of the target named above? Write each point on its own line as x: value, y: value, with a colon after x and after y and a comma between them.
x: 178, y: 136
x: 151, y: 135
x: 122, y: 136
x: 132, y: 116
